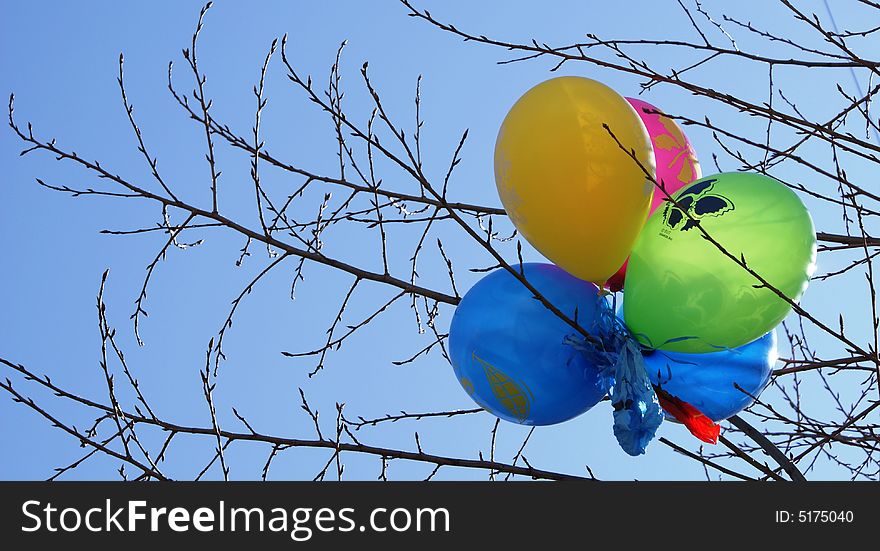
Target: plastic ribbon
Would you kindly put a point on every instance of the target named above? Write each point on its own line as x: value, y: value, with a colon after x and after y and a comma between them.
x: 618, y: 356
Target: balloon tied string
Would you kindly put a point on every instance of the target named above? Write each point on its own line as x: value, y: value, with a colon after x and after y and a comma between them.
x: 638, y: 404
x: 637, y: 412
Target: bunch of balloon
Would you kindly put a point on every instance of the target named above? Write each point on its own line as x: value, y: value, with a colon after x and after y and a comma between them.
x: 568, y: 149
x: 708, y: 268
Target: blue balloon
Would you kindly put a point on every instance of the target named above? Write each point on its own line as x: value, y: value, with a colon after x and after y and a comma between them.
x: 508, y: 350
x: 709, y: 381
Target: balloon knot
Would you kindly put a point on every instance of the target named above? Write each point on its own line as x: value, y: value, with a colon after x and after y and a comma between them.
x: 637, y: 413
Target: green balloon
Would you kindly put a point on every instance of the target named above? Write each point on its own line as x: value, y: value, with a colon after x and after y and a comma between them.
x: 683, y: 294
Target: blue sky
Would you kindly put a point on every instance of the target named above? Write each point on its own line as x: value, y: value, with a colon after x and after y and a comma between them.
x: 61, y: 62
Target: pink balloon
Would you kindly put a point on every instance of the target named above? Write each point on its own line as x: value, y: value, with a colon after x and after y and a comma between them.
x: 677, y: 164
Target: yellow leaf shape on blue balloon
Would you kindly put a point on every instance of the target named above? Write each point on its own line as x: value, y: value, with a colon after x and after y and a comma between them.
x: 512, y: 395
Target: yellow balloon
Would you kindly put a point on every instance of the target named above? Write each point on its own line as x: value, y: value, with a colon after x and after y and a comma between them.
x: 566, y: 184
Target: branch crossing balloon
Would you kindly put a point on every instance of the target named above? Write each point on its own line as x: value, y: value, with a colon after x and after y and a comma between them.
x: 677, y: 163
x: 719, y: 384
x: 509, y: 353
x: 706, y: 277
x: 569, y: 188
x: 683, y: 294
